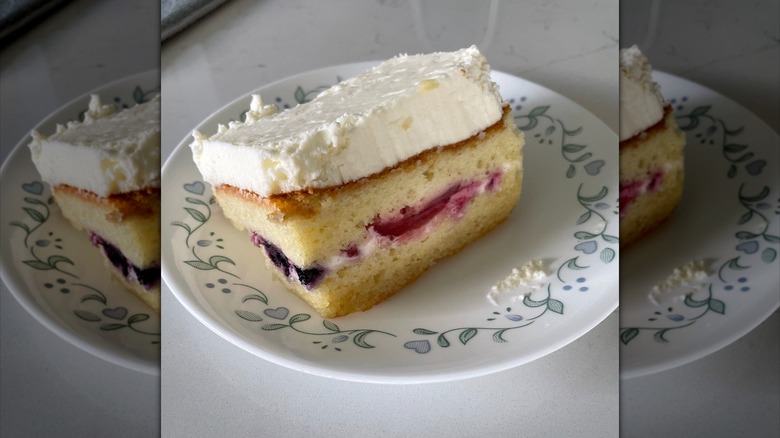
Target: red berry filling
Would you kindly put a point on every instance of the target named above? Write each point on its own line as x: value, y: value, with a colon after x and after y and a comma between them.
x: 453, y: 200
x: 630, y: 190
x: 351, y: 251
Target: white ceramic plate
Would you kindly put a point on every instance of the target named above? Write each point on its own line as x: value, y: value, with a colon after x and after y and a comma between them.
x: 442, y: 327
x: 53, y: 270
x: 729, y: 217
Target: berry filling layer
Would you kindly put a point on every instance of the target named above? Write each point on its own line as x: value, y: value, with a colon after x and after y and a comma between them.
x: 308, y: 277
x: 147, y: 277
x: 408, y: 223
x: 630, y: 190
x: 411, y: 221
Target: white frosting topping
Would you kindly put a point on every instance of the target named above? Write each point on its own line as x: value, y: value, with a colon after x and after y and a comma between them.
x: 521, y: 282
x: 356, y: 128
x: 689, y: 278
x: 109, y: 153
x: 641, y: 103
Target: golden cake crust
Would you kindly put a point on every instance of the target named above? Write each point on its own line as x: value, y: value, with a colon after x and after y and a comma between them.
x: 121, y: 206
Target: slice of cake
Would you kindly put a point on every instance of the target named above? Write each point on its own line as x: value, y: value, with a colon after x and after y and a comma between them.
x: 105, y: 177
x: 651, y: 150
x: 357, y: 193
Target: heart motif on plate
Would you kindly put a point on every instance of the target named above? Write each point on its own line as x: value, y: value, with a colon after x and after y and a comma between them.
x: 755, y: 167
x: 588, y: 247
x: 421, y: 347
x: 116, y: 313
x: 35, y: 187
x: 749, y: 247
x: 594, y: 167
x: 196, y: 188
x: 278, y: 313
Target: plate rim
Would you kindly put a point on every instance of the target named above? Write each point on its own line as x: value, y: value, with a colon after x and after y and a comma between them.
x: 647, y: 370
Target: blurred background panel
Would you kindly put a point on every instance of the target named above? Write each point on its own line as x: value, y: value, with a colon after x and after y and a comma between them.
x: 730, y: 46
x: 52, y: 53
x: 733, y: 48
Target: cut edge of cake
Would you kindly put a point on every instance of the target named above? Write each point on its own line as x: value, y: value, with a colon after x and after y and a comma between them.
x: 651, y: 190
x: 127, y: 238
x: 651, y: 151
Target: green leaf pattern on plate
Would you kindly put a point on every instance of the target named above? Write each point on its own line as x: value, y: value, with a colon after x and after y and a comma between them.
x: 754, y: 243
x: 709, y: 130
x: 47, y: 253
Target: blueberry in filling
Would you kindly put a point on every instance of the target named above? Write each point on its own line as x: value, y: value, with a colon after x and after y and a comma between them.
x: 147, y: 278
x: 308, y: 277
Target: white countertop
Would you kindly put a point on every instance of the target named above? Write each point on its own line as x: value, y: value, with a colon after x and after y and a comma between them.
x: 49, y: 386
x: 244, y: 45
